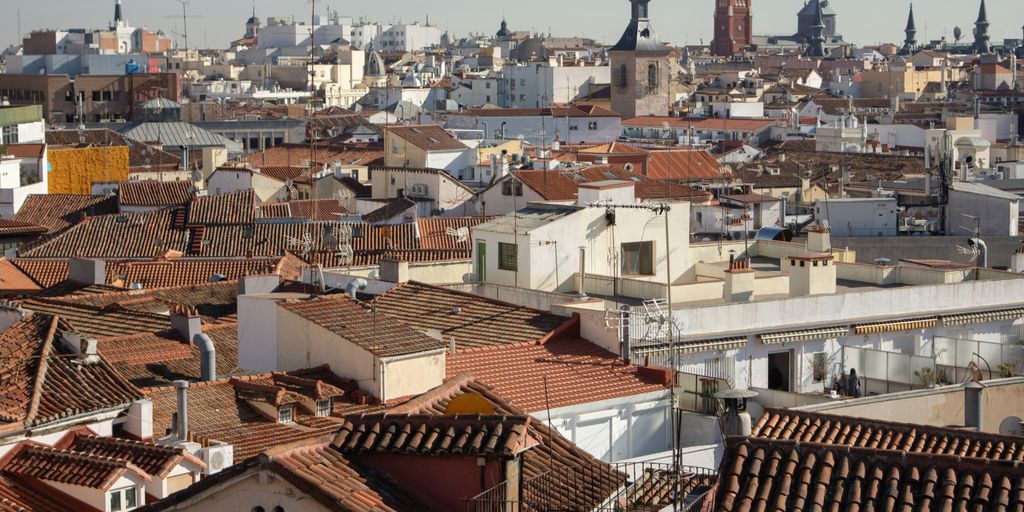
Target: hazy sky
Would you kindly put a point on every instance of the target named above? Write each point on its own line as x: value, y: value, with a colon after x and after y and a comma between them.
x: 677, y: 21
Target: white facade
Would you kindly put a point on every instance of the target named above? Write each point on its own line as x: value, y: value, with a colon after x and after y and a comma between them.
x: 540, y: 128
x: 541, y: 84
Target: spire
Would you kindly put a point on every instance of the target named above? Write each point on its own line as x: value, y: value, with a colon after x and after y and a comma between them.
x: 982, y: 43
x: 118, y: 15
x: 639, y: 35
x: 911, y: 31
x: 816, y: 44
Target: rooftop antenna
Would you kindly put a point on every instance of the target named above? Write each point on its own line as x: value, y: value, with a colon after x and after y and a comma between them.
x: 185, y: 16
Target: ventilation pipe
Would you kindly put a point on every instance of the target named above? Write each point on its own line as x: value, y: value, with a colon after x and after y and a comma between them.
x: 355, y: 286
x: 583, y: 271
x: 181, y: 424
x: 208, y: 357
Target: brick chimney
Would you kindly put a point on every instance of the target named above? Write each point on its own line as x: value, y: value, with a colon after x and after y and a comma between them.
x: 739, y: 281
x: 186, y: 323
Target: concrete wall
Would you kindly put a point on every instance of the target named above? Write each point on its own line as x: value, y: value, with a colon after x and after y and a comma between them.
x: 260, y: 488
x: 932, y: 247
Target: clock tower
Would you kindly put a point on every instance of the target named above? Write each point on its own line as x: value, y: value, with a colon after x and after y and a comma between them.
x: 734, y: 24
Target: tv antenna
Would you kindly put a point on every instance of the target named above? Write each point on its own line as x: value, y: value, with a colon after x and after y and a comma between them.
x: 185, y: 16
x: 461, y: 234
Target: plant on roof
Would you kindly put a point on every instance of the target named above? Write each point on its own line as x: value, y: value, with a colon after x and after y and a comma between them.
x: 1007, y: 370
x: 927, y: 376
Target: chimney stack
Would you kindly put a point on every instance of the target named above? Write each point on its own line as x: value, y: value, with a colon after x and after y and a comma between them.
x: 394, y: 270
x: 187, y: 323
x: 739, y: 281
x: 1017, y: 260
x: 87, y: 271
x: 973, y: 407
x: 819, y: 239
x: 737, y: 420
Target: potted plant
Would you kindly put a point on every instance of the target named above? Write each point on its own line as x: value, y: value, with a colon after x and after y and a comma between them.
x: 941, y: 377
x: 1007, y: 370
x: 927, y: 376
x: 819, y: 369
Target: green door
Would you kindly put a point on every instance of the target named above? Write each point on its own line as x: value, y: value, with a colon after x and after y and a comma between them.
x: 481, y: 260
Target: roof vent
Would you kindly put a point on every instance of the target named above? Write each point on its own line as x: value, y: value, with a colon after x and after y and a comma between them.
x: 216, y: 278
x: 456, y: 310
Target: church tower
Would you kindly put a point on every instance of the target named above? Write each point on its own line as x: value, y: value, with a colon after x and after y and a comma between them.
x: 816, y: 42
x: 910, y: 42
x: 640, y: 68
x: 982, y: 43
x: 734, y: 25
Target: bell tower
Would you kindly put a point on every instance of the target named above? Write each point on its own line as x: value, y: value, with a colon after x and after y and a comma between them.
x: 640, y: 68
x: 734, y: 25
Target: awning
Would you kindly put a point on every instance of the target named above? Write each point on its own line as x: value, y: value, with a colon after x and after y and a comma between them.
x: 984, y: 316
x: 899, y: 325
x: 804, y: 335
x: 691, y: 347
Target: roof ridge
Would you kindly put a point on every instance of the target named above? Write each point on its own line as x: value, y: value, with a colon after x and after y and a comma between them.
x: 44, y: 365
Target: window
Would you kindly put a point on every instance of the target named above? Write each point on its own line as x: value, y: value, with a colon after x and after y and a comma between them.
x: 323, y: 407
x: 123, y: 499
x: 592, y: 125
x: 623, y: 78
x: 508, y: 255
x: 284, y: 415
x: 638, y: 259
x: 512, y: 188
x: 9, y: 135
x: 96, y: 95
x: 652, y: 78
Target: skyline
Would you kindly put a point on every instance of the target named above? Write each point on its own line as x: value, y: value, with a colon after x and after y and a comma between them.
x: 219, y: 23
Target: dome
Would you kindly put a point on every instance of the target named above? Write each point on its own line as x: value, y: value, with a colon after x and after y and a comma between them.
x: 412, y: 81
x: 504, y: 31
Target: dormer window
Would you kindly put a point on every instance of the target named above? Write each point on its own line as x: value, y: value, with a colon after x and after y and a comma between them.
x: 323, y: 407
x: 286, y: 414
x: 122, y: 500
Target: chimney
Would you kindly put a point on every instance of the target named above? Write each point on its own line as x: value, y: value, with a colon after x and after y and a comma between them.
x: 811, y: 274
x: 262, y: 283
x: 1017, y: 260
x: 84, y: 348
x: 394, y: 271
x: 819, y: 239
x: 737, y: 420
x: 181, y: 418
x: 973, y: 407
x: 739, y: 281
x: 583, y: 272
x: 87, y: 271
x: 187, y: 323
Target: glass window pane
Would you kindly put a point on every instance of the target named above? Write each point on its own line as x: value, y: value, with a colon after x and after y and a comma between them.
x: 129, y: 498
x: 115, y: 501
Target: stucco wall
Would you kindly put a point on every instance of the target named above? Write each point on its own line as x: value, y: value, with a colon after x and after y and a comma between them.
x: 74, y: 169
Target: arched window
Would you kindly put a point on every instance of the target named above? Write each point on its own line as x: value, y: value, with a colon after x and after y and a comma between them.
x: 278, y: 508
x: 623, y: 76
x: 258, y: 509
x: 652, y: 77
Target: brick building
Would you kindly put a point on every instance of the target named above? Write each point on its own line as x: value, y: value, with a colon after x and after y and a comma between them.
x: 104, y: 97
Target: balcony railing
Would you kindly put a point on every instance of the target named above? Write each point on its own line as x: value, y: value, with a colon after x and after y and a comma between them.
x: 642, y: 486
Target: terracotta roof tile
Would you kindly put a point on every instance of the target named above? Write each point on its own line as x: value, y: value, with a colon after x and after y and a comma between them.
x: 155, y: 193
x: 471, y: 320
x: 41, y: 384
x: 383, y: 336
x: 685, y: 164
x: 428, y: 137
x: 576, y: 370
x: 389, y: 211
x: 68, y: 467
x: 57, y: 212
x: 427, y: 434
x: 10, y: 227
x: 96, y: 321
x: 186, y: 272
x: 298, y: 155
x: 759, y: 474
x: 121, y: 236
x: 158, y: 359
x: 803, y: 426
x: 156, y: 460
x: 439, y: 232
x: 313, y: 209
x: 230, y: 208
x: 22, y: 495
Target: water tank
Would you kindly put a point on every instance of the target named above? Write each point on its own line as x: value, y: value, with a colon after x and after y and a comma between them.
x: 132, y: 68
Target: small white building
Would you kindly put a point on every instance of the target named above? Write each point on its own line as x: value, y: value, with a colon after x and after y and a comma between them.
x: 541, y: 126
x: 977, y: 207
x: 872, y: 216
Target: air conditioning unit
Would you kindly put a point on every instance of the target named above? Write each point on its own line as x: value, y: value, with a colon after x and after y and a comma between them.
x: 218, y: 456
x: 418, y: 190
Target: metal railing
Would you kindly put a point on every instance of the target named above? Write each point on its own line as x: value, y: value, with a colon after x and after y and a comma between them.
x: 619, y: 487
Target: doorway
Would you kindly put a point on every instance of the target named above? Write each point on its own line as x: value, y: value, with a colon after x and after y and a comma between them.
x: 780, y: 370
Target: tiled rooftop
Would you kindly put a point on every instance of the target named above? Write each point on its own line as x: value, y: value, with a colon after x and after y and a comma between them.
x: 158, y: 359
x: 97, y: 321
x: 471, y: 320
x: 813, y: 427
x: 67, y: 467
x: 41, y: 384
x: 22, y: 495
x: 230, y: 208
x: 313, y: 209
x: 575, y: 372
x: 428, y: 137
x: 432, y: 435
x: 155, y: 459
x: 379, y: 334
x: 155, y: 193
x: 760, y: 474
x: 57, y: 212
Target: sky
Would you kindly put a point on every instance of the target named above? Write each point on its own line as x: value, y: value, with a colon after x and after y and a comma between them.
x: 216, y: 22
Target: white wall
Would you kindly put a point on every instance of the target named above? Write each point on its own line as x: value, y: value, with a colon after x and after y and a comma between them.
x: 617, y: 429
x: 541, y: 130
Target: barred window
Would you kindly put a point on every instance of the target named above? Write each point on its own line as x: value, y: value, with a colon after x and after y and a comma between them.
x: 508, y: 255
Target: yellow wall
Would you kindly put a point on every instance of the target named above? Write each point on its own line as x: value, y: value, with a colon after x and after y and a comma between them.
x: 73, y: 170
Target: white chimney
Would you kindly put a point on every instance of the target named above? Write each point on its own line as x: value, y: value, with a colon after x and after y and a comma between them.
x: 87, y: 271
